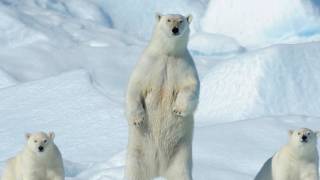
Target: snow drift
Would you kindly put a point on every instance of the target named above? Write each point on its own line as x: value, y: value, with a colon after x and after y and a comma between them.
x: 280, y: 80
x: 69, y: 105
x: 214, y: 44
x: 6, y: 80
x: 254, y: 22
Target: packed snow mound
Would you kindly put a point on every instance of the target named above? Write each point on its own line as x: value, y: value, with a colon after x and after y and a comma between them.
x: 280, y: 80
x: 265, y: 20
x: 80, y: 9
x: 63, y: 104
x: 214, y: 44
x: 41, y: 40
x: 24, y: 24
x: 6, y: 80
x: 135, y: 17
x: 14, y: 32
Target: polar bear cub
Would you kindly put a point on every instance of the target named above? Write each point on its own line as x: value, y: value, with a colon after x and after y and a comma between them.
x: 162, y: 97
x: 298, y: 160
x: 39, y: 160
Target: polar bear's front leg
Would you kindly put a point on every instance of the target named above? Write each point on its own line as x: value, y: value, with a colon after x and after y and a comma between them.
x: 136, y: 167
x: 181, y: 164
x: 310, y: 172
x: 135, y: 105
x: 187, y: 100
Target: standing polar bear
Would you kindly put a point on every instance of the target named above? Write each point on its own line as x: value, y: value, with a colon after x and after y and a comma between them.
x: 298, y: 160
x: 39, y: 160
x: 162, y: 96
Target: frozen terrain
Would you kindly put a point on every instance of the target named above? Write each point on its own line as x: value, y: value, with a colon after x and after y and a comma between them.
x: 64, y: 66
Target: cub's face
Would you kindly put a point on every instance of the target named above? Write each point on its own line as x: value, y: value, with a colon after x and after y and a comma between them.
x: 174, y: 25
x: 303, y: 136
x: 39, y: 142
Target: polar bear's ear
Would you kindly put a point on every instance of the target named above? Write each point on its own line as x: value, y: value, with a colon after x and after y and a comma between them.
x: 290, y: 132
x: 158, y: 16
x: 318, y: 133
x: 189, y: 18
x: 27, y: 135
x: 51, y: 135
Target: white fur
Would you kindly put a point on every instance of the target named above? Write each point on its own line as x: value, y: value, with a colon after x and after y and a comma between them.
x: 31, y: 164
x: 295, y: 161
x: 162, y: 96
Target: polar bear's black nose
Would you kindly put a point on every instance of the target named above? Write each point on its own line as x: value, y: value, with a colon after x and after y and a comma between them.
x: 175, y: 30
x: 304, y: 137
x: 41, y: 148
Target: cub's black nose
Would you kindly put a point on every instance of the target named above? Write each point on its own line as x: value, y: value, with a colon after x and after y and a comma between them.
x: 41, y: 148
x: 175, y: 30
x: 304, y: 137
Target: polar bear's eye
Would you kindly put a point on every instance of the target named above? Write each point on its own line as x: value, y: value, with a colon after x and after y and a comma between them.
x: 308, y: 133
x: 35, y: 141
x: 169, y: 20
x: 299, y: 133
x: 45, y: 141
x: 180, y: 21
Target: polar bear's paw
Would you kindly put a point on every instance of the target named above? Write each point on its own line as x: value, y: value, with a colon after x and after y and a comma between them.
x: 179, y: 112
x: 138, y: 122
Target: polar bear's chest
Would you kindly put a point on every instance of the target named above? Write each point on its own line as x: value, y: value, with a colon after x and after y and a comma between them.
x: 294, y: 170
x: 163, y: 74
x: 163, y: 77
x: 163, y: 81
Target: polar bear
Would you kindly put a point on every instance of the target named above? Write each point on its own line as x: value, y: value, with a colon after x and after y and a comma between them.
x: 39, y: 160
x: 298, y: 160
x: 162, y: 95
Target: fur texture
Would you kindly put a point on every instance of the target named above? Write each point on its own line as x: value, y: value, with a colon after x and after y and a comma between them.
x: 39, y: 160
x: 162, y: 96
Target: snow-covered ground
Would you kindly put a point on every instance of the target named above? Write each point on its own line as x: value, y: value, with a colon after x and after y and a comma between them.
x: 64, y: 66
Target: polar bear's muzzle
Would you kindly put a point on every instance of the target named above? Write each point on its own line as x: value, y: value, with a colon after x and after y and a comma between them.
x: 41, y: 148
x: 304, y: 139
x: 175, y: 31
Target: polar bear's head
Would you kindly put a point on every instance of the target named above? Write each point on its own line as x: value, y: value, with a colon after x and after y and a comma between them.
x: 39, y: 142
x: 173, y: 25
x: 303, y: 137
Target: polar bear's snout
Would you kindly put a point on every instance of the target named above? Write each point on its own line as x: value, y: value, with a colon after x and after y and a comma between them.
x: 304, y: 138
x: 305, y: 135
x: 41, y: 148
x: 175, y: 31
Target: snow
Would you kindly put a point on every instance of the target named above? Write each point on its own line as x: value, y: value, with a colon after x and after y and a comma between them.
x: 265, y: 21
x: 214, y: 44
x: 64, y: 67
x: 69, y: 100
x: 6, y: 80
x: 279, y: 80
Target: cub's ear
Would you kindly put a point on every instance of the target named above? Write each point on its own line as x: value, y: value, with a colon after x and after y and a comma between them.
x: 27, y: 135
x: 158, y: 16
x: 189, y: 18
x: 290, y: 132
x: 51, y: 135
